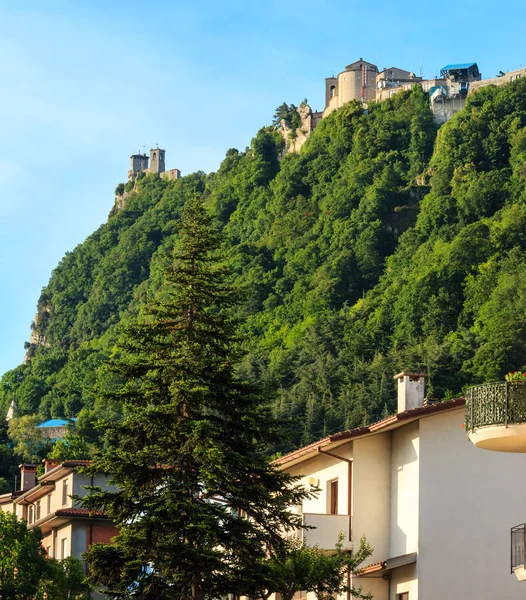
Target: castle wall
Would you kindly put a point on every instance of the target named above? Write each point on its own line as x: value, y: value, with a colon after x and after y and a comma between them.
x: 446, y: 108
x: 171, y: 174
x: 316, y: 118
x: 334, y: 104
x: 506, y: 78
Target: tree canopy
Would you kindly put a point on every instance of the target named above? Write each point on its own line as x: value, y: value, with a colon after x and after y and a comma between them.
x: 26, y: 573
x: 197, y: 500
x: 298, y: 568
x: 385, y: 244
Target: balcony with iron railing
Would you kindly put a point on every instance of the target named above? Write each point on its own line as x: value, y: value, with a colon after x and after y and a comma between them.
x: 496, y: 416
x: 518, y: 546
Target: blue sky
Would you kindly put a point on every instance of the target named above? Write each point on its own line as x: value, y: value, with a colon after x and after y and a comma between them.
x: 84, y: 84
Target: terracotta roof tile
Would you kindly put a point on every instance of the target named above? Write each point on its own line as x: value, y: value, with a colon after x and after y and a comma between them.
x: 76, y: 463
x: 80, y: 512
x: 68, y: 464
x: 372, y: 568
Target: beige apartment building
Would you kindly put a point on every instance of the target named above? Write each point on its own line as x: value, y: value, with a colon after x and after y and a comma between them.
x: 434, y: 508
x: 68, y: 530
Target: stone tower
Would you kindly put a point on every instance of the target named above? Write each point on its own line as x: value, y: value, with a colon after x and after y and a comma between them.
x: 157, y: 160
x: 138, y: 164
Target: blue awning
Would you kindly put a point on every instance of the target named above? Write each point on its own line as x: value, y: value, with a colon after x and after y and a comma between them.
x: 56, y: 422
x: 459, y: 66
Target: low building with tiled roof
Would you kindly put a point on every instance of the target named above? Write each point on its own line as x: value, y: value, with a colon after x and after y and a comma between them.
x: 55, y: 429
x: 47, y: 503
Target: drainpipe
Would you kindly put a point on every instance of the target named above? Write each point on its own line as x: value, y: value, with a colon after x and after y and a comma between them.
x: 92, y: 522
x: 54, y: 539
x: 388, y: 577
x: 349, y: 483
x: 349, y: 502
x: 86, y: 568
x: 90, y: 533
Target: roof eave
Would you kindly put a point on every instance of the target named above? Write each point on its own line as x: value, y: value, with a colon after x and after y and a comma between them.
x: 392, y: 422
x: 67, y: 466
x: 38, y: 490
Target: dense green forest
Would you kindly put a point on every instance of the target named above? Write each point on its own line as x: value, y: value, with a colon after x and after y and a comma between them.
x: 385, y: 244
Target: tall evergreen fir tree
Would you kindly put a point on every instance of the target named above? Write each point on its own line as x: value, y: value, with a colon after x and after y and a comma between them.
x: 196, y: 499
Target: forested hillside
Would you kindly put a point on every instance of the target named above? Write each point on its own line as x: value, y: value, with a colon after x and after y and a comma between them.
x: 384, y: 245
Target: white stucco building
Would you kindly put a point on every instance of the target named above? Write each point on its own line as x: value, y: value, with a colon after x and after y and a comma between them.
x: 435, y: 509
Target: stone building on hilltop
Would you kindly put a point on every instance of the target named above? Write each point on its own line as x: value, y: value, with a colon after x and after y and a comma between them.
x: 356, y: 82
x: 362, y: 81
x: 139, y: 164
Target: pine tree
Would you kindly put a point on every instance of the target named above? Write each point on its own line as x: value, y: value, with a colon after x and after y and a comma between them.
x: 197, y: 500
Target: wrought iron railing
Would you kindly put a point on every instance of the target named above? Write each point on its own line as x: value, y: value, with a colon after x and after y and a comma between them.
x: 518, y: 545
x: 498, y: 403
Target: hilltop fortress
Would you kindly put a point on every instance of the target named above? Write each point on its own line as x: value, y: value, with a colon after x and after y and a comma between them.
x: 139, y: 164
x: 139, y: 167
x: 362, y: 81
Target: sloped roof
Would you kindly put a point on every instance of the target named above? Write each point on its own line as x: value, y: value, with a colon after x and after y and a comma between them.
x: 56, y: 423
x: 56, y: 472
x: 80, y: 512
x: 360, y: 62
x: 392, y: 422
x: 459, y: 66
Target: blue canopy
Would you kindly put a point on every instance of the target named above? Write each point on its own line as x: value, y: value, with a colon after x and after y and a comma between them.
x: 460, y: 66
x: 56, y: 422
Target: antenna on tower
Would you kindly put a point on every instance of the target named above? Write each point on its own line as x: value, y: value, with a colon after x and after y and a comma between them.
x: 421, y: 70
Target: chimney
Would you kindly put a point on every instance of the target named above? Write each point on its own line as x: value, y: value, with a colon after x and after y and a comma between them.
x: 28, y: 477
x: 410, y: 390
x: 50, y: 464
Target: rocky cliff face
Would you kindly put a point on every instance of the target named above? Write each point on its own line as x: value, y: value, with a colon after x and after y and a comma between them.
x: 295, y: 138
x: 120, y: 202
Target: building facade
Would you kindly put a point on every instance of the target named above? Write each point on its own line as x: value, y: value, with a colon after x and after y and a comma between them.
x: 356, y: 82
x: 434, y: 509
x: 47, y: 503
